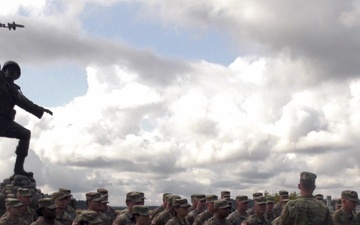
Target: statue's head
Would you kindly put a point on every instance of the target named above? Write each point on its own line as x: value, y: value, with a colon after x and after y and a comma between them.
x: 11, y: 70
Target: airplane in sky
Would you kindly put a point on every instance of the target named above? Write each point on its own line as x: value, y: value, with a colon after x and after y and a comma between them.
x: 11, y: 25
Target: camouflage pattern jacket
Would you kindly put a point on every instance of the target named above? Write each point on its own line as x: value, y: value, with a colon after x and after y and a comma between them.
x: 305, y: 211
x: 236, y: 218
x: 341, y: 217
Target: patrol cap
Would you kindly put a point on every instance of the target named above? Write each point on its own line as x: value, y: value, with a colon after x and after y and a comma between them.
x: 173, y: 198
x: 142, y: 195
x: 66, y: 191
x: 319, y: 197
x: 260, y: 200
x: 211, y: 198
x: 103, y: 192
x: 165, y: 195
x: 307, y: 178
x: 94, y: 196
x: 11, y: 195
x: 46, y: 203
x: 90, y: 216
x: 141, y: 210
x: 257, y: 194
x: 24, y: 192
x: 58, y: 195
x: 350, y: 195
x: 285, y: 198
x: 200, y: 197
x: 242, y: 198
x: 181, y: 203
x: 225, y: 194
x: 270, y: 200
x: 283, y: 193
x: 135, y: 197
x: 130, y: 193
x: 13, y: 202
x: 221, y: 204
x: 193, y: 196
x: 338, y: 201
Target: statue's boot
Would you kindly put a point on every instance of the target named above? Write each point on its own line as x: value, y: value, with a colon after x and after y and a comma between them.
x: 19, y: 167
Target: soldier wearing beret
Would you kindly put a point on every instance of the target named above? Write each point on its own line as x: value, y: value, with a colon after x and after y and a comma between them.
x: 60, y: 200
x: 108, y: 210
x: 279, y: 206
x: 14, y: 209
x: 141, y: 214
x: 222, y: 210
x: 239, y: 215
x: 209, y: 212
x: 259, y: 213
x: 346, y: 215
x: 163, y: 217
x: 127, y: 218
x: 181, y: 210
x: 305, y: 209
x: 162, y: 207
x: 24, y: 195
x: 46, y: 212
x: 200, y: 207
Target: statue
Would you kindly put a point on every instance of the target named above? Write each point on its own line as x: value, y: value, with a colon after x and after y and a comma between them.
x: 11, y: 95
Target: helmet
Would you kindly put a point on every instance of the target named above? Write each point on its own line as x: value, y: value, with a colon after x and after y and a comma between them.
x: 13, y: 64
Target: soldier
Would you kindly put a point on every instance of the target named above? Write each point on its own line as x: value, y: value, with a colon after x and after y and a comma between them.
x: 162, y: 207
x: 345, y: 215
x: 222, y: 210
x: 89, y: 217
x: 338, y: 204
x: 163, y: 217
x: 259, y: 213
x: 69, y: 209
x: 200, y: 207
x: 238, y: 216
x: 14, y: 209
x: 193, y: 202
x: 181, y: 210
x: 93, y: 202
x: 141, y: 214
x: 305, y: 209
x: 128, y: 200
x: 209, y: 212
x: 225, y: 195
x: 252, y: 210
x: 127, y: 218
x: 60, y: 200
x: 142, y: 197
x: 46, y: 212
x: 108, y: 210
x: 269, y: 213
x: 279, y: 206
x: 24, y: 195
x: 10, y: 95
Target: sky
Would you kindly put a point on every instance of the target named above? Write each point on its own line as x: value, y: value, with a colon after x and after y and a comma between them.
x: 198, y: 97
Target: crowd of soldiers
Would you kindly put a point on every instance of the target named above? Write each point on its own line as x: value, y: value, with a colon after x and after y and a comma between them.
x: 204, y: 209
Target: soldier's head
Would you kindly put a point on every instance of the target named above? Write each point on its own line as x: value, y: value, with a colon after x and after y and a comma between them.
x: 67, y: 192
x: 47, y: 208
x: 104, y: 206
x: 242, y: 202
x: 93, y: 201
x: 24, y: 195
x: 181, y: 207
x: 142, y: 197
x: 284, y: 200
x: 104, y: 193
x: 260, y: 205
x: 171, y: 201
x: 319, y: 197
x: 14, y: 207
x: 225, y: 194
x: 283, y: 194
x: 270, y: 204
x: 349, y: 200
x: 201, y: 202
x: 60, y: 199
x: 338, y: 203
x: 257, y: 194
x: 165, y: 197
x: 11, y: 70
x: 133, y: 198
x: 307, y: 182
x: 210, y: 199
x: 141, y: 214
x: 89, y: 217
x: 222, y: 208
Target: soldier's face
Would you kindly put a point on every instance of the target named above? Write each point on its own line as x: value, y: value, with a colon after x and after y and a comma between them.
x: 223, y: 212
x: 61, y: 203
x: 269, y: 207
x: 26, y: 200
x: 243, y: 205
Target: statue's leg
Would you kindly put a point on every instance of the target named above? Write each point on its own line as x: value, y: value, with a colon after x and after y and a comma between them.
x: 14, y: 130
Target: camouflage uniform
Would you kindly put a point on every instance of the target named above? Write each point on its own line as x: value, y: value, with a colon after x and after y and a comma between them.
x: 156, y: 211
x: 278, y: 206
x: 41, y: 221
x: 305, y: 210
x: 162, y: 218
x: 192, y: 215
x: 236, y: 218
x: 112, y: 214
x: 64, y: 219
x: 5, y: 221
x: 341, y: 217
x: 203, y: 217
x: 71, y: 212
x: 124, y: 219
x: 215, y: 221
x: 256, y: 220
x: 177, y: 221
x: 29, y: 216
